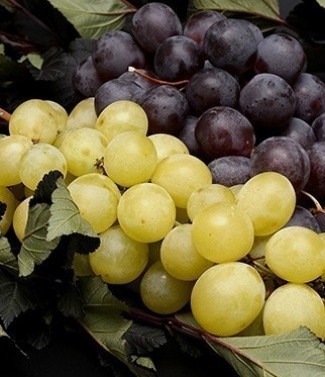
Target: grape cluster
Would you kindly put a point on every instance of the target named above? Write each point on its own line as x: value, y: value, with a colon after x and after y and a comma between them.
x: 191, y: 168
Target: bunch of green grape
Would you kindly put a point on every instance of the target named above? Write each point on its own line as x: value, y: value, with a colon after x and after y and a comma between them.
x: 163, y: 223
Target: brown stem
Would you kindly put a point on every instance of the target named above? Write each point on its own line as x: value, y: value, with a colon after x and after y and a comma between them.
x: 318, y: 206
x: 140, y: 72
x: 4, y: 115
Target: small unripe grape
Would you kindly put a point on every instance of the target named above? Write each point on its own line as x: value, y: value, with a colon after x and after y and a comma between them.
x: 163, y: 293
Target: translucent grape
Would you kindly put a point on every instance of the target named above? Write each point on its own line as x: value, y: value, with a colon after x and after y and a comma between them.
x: 222, y: 233
x: 163, y: 293
x: 180, y: 175
x: 166, y: 145
x: 207, y: 196
x: 179, y: 256
x: 146, y: 212
x: 130, y: 158
x: 122, y: 116
x: 97, y: 198
x: 269, y: 199
x: 61, y: 115
x: 119, y: 258
x: 20, y: 217
x: 37, y: 161
x: 35, y: 119
x: 291, y: 306
x: 83, y: 149
x: 227, y: 298
x: 83, y: 114
x: 295, y: 254
x: 12, y: 149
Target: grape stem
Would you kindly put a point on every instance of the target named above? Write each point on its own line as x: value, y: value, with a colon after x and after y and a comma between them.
x: 142, y: 73
x: 318, y: 206
x: 4, y: 115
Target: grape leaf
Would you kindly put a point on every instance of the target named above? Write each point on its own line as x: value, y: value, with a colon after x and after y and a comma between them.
x: 298, y: 353
x: 264, y: 8
x: 11, y: 70
x: 104, y: 320
x: 321, y: 3
x: 7, y: 258
x: 70, y: 303
x: 65, y: 216
x: 15, y: 298
x: 35, y: 245
x: 92, y: 18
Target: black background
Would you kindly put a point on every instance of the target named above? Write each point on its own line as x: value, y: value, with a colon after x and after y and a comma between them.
x: 73, y: 354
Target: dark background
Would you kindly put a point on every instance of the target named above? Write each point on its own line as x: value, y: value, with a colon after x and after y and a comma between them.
x: 71, y: 353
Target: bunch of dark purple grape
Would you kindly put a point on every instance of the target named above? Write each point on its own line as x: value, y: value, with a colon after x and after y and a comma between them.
x: 242, y: 101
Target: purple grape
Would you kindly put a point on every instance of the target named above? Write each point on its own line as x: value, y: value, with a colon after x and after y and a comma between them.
x: 115, y: 90
x: 117, y: 50
x: 318, y: 127
x: 303, y: 217
x: 283, y: 155
x: 280, y: 54
x: 231, y: 44
x: 300, y: 131
x: 316, y: 182
x: 85, y: 79
x: 177, y: 58
x: 212, y: 87
x: 166, y: 108
x: 267, y: 100
x: 320, y: 218
x: 153, y: 23
x: 196, y: 27
x: 139, y: 80
x: 187, y: 136
x: 230, y: 170
x: 309, y: 91
x: 224, y: 131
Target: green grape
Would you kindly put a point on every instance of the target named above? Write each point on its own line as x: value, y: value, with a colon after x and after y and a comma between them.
x: 8, y: 198
x: 167, y: 144
x: 146, y: 212
x: 39, y: 160
x: 295, y: 254
x: 20, y: 217
x: 255, y: 328
x: 84, y: 150
x: 12, y: 149
x: 163, y: 293
x: 81, y: 265
x: 235, y: 189
x: 36, y: 119
x: 206, y: 196
x: 97, y: 197
x: 83, y: 114
x: 60, y: 114
x: 293, y: 305
x: 269, y: 199
x: 179, y: 256
x: 130, y: 158
x: 257, y: 251
x: 227, y: 298
x: 222, y: 233
x: 180, y: 175
x: 122, y: 116
x: 60, y: 137
x: 119, y: 258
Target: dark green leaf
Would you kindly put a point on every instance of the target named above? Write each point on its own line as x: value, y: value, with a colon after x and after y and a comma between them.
x: 321, y: 3
x: 7, y: 258
x: 35, y: 246
x: 45, y: 188
x: 105, y: 321
x: 15, y: 298
x: 70, y: 303
x: 92, y: 18
x: 11, y: 70
x: 262, y: 8
x: 295, y: 354
x: 3, y: 207
x: 65, y: 217
x: 141, y: 340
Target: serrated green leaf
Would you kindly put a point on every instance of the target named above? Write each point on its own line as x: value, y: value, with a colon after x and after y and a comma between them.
x: 103, y: 316
x: 296, y: 354
x: 263, y: 8
x: 92, y: 18
x: 35, y: 246
x: 321, y: 3
x: 7, y: 258
x: 11, y: 70
x: 65, y: 216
